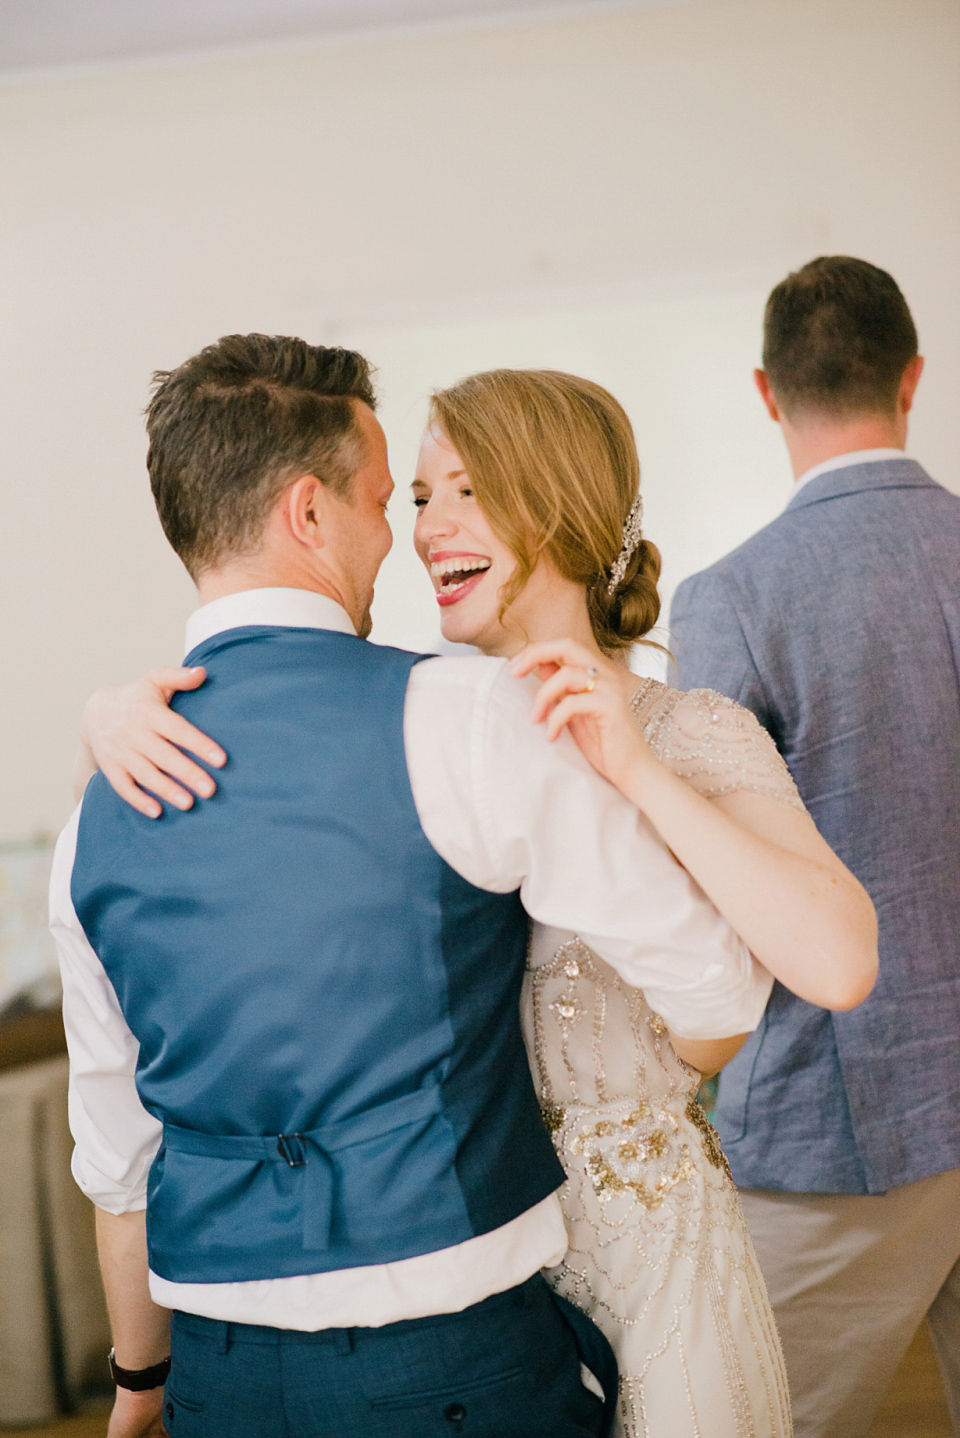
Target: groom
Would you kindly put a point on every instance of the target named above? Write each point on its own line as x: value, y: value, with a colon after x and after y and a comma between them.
x: 299, y: 1091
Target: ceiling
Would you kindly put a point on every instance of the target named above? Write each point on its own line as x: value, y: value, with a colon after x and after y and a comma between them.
x: 50, y: 34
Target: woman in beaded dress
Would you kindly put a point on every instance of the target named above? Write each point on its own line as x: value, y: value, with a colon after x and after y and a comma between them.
x: 659, y: 1255
x: 659, y: 1252
x: 527, y: 487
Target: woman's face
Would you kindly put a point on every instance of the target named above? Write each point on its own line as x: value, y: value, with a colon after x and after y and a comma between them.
x: 467, y: 562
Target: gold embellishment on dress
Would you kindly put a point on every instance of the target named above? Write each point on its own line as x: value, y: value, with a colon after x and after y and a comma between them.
x: 621, y: 1154
x: 712, y: 743
x: 553, y: 1116
x: 711, y: 1139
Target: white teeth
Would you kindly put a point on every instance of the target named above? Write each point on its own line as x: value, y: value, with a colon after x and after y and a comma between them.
x: 460, y: 565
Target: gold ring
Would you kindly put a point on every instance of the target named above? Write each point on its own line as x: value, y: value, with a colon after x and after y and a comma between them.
x: 591, y: 683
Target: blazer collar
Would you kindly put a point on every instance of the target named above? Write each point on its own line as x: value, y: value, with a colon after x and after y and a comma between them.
x: 852, y: 479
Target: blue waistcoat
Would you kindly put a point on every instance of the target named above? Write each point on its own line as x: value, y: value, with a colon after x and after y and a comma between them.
x: 838, y: 625
x: 327, y: 1013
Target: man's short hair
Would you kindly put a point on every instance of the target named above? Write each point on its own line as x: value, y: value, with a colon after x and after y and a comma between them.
x: 837, y: 337
x: 231, y: 427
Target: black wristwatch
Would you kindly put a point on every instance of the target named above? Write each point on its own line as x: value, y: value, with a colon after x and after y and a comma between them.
x: 138, y: 1380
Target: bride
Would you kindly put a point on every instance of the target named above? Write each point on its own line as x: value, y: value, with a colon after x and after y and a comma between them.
x: 527, y: 490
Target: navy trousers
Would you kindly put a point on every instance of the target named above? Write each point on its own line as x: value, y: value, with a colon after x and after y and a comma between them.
x: 508, y: 1367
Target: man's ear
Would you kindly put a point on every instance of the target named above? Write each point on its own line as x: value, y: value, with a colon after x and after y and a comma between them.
x: 304, y: 508
x: 908, y: 384
x: 766, y: 393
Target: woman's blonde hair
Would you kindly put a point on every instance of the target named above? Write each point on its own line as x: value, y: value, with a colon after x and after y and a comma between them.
x: 553, y: 462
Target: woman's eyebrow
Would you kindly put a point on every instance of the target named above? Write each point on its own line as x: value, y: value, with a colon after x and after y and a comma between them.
x: 418, y: 483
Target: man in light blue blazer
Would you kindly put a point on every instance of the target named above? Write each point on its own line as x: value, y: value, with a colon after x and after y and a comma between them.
x: 838, y: 625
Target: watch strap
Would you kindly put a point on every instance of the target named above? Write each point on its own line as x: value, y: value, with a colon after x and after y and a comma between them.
x: 138, y: 1380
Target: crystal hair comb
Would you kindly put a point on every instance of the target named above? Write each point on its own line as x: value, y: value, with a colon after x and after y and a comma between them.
x: 632, y: 535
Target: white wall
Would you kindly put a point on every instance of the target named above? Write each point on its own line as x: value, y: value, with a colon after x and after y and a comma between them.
x: 612, y: 194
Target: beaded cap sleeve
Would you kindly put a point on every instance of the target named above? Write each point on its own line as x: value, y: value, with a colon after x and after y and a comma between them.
x: 713, y: 743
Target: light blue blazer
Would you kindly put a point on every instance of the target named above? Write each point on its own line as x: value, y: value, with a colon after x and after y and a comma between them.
x: 838, y: 625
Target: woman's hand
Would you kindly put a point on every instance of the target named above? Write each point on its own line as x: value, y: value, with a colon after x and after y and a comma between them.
x: 590, y: 695
x: 136, y: 740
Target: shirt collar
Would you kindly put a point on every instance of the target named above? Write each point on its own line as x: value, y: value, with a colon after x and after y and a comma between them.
x: 287, y: 608
x: 845, y: 461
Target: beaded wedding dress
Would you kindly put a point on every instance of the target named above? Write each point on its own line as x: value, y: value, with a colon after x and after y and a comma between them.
x: 659, y: 1255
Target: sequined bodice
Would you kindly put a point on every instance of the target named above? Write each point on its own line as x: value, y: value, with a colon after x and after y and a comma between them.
x: 593, y: 1037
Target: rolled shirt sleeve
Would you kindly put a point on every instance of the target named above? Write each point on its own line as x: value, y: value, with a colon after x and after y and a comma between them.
x: 115, y: 1138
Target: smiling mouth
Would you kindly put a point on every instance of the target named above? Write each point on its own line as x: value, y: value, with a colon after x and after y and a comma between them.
x: 455, y: 575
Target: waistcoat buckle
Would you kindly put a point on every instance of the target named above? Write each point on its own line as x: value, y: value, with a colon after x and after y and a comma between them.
x: 292, y: 1147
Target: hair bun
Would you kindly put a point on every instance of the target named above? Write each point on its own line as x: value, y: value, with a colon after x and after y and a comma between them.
x: 621, y: 618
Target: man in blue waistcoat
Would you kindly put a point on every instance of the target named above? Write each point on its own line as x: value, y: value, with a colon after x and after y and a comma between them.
x: 293, y: 1009
x: 839, y: 626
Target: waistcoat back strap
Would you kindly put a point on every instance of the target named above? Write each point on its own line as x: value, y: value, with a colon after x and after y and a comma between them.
x: 313, y: 1152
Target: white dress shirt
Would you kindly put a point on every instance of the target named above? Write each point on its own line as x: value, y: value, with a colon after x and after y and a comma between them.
x: 844, y: 461
x: 506, y: 810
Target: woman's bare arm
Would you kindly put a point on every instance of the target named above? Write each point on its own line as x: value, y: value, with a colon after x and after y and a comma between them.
x: 778, y: 884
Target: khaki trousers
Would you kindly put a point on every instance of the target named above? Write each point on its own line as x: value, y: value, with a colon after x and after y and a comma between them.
x: 851, y: 1278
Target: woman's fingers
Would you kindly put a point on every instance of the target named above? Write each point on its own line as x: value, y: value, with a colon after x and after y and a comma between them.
x: 172, y: 679
x: 563, y: 652
x: 575, y: 706
x: 170, y: 725
x: 168, y: 759
x: 586, y: 693
x: 149, y: 761
x: 121, y: 782
x: 147, y: 775
x: 568, y: 680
